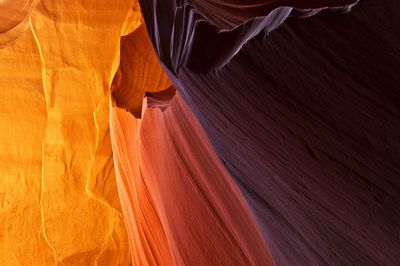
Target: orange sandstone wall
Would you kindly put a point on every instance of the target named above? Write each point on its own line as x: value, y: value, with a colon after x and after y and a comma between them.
x: 58, y: 198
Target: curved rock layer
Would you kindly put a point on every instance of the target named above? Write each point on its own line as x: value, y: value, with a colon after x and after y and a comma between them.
x: 306, y: 118
x: 14, y: 19
x: 139, y: 72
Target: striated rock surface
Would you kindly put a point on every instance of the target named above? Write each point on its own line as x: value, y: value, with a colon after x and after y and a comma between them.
x: 182, y: 206
x: 250, y: 132
x: 304, y: 114
x: 58, y: 197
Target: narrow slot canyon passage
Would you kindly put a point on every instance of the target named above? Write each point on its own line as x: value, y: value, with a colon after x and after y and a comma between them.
x: 199, y: 132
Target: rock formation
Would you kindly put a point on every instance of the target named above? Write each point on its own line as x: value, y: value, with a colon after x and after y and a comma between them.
x: 199, y: 132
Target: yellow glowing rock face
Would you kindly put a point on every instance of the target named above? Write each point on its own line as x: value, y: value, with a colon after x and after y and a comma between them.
x: 58, y: 198
x: 22, y: 125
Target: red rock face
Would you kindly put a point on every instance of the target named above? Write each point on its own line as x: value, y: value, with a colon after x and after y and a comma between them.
x: 179, y: 194
x: 180, y: 205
